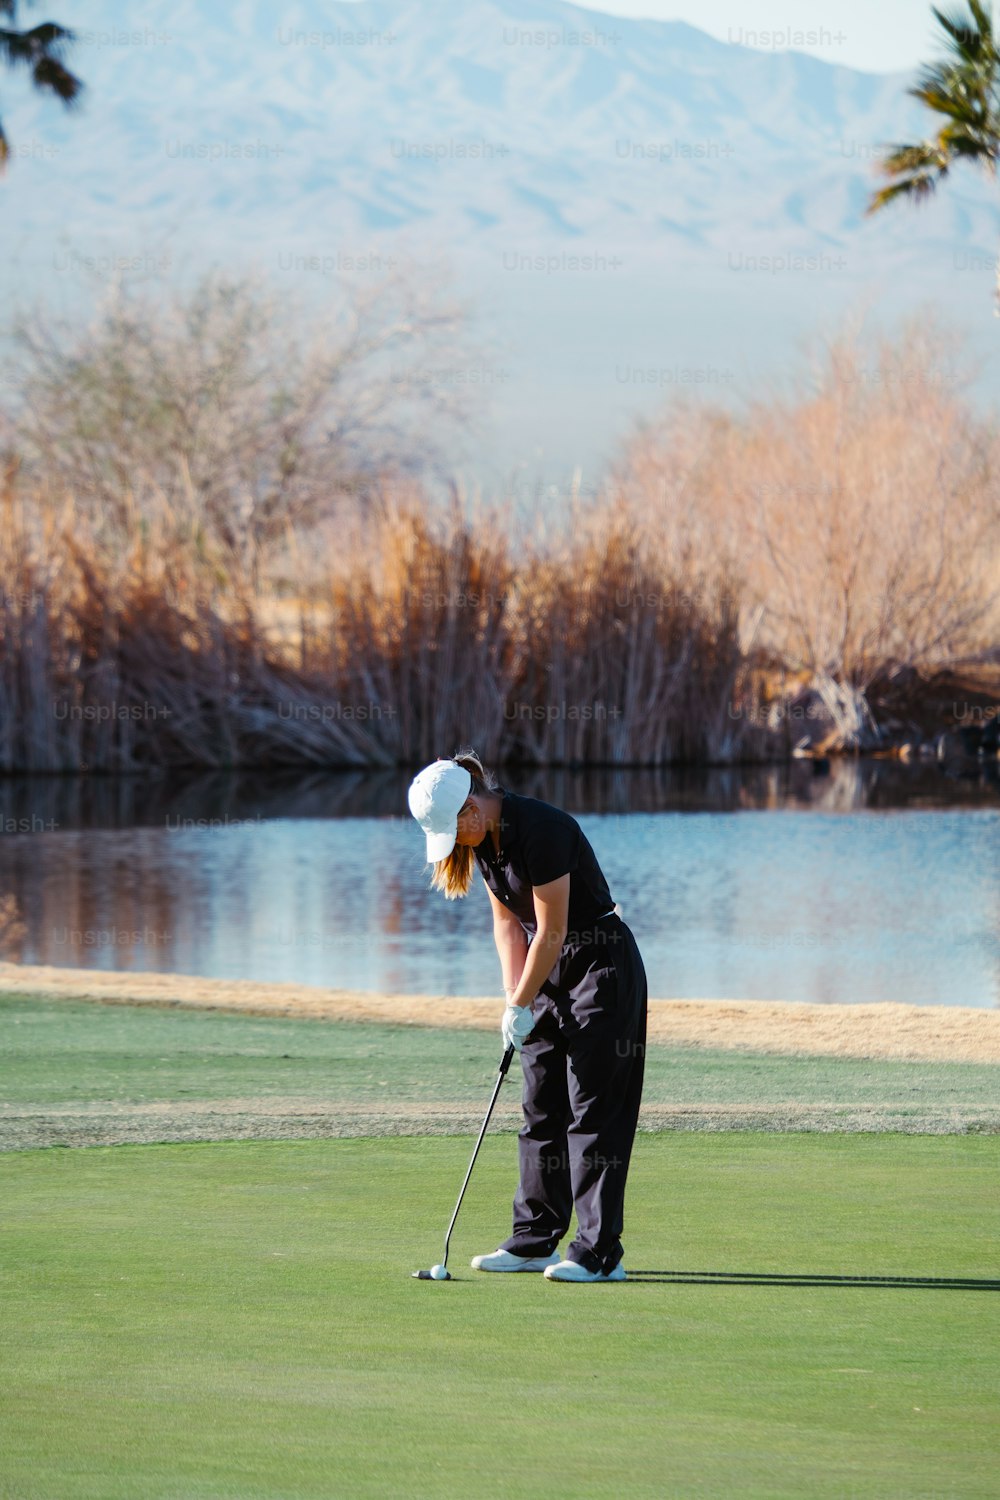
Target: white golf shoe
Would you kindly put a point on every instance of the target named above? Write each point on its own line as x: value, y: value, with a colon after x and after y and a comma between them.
x: 502, y: 1260
x: 568, y: 1270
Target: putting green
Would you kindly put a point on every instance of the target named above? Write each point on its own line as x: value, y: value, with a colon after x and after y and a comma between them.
x: 237, y: 1320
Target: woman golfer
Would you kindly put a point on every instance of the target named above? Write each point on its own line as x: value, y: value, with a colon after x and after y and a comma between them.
x: 576, y: 1009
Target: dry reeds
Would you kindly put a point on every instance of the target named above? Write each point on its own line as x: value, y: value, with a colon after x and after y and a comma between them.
x: 425, y: 634
x: 835, y: 542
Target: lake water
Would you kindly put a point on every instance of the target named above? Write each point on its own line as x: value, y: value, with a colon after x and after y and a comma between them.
x: 870, y: 882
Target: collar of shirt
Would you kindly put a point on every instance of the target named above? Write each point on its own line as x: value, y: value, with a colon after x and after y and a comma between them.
x: 506, y: 832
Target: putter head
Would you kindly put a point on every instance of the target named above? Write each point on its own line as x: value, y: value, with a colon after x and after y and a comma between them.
x: 426, y: 1276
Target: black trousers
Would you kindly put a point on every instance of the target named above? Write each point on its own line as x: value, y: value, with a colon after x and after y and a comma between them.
x: 583, y: 1069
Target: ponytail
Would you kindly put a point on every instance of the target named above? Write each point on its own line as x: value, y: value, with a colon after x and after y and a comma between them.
x: 454, y: 875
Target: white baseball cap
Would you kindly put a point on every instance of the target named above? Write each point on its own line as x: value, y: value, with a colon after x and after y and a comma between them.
x: 436, y: 796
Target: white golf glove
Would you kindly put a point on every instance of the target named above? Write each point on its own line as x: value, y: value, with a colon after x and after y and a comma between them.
x: 517, y: 1025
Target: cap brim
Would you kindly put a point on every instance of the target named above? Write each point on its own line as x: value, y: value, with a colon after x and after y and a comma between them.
x: 440, y: 845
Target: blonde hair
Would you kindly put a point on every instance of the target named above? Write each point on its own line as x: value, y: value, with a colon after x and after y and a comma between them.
x: 454, y: 875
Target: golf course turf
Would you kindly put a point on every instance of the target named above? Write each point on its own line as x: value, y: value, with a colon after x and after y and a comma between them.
x: 236, y: 1320
x: 78, y: 1073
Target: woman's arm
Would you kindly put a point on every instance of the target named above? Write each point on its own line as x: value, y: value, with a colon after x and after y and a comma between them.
x: 551, y: 924
x: 511, y: 941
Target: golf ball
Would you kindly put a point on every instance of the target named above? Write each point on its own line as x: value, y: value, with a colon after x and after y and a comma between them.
x: 438, y: 1273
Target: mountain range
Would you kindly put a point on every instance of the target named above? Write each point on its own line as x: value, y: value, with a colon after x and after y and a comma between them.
x: 631, y: 207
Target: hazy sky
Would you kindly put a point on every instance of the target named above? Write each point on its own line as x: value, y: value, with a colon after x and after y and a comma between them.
x: 880, y: 36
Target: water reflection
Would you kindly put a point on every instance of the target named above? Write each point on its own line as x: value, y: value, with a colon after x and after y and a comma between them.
x: 807, y: 894
x: 47, y: 803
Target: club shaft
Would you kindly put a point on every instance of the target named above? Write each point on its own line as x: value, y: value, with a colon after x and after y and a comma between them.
x: 504, y: 1065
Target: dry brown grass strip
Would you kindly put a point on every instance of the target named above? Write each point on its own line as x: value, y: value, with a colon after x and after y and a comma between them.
x: 257, y: 1120
x: 916, y: 1033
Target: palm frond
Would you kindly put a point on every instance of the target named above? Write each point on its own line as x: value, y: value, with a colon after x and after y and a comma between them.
x: 15, y: 48
x: 40, y: 50
x: 970, y: 39
x: 954, y: 91
x: 983, y: 17
x: 927, y: 156
x: 963, y: 89
x: 49, y: 73
x: 25, y: 46
x: 917, y: 187
x: 52, y: 37
x: 973, y: 146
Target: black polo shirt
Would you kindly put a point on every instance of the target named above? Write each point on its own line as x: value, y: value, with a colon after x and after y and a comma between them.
x: 539, y: 843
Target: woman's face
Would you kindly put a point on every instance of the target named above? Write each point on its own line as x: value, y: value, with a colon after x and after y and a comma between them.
x: 471, y: 823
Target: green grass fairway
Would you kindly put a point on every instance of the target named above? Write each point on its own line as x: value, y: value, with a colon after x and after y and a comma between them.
x: 79, y: 1073
x: 237, y: 1320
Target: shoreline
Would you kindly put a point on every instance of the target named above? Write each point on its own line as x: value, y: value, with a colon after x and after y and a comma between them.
x: 884, y: 1031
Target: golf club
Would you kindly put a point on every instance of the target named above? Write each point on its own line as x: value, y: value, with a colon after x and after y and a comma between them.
x: 441, y: 1272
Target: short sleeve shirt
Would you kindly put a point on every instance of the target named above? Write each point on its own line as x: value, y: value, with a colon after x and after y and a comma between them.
x: 538, y: 844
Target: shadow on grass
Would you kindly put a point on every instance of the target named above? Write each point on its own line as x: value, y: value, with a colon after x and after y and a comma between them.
x: 790, y: 1278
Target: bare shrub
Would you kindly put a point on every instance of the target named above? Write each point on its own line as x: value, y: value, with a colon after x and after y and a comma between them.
x: 241, y: 411
x: 863, y: 517
x: 176, y: 591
